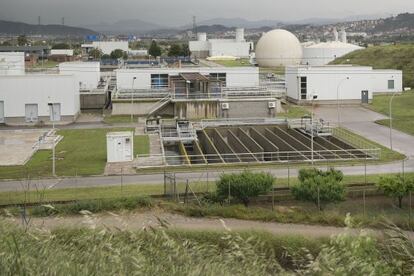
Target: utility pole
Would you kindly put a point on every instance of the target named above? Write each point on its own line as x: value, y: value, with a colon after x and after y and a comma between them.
x: 63, y: 21
x: 390, y: 111
x: 195, y: 27
x: 132, y: 99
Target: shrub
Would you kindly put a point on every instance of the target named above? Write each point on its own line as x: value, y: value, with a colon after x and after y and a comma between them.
x: 244, y: 186
x: 396, y: 187
x: 314, y: 182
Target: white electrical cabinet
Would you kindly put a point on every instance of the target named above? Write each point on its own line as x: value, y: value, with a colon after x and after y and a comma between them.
x: 120, y: 146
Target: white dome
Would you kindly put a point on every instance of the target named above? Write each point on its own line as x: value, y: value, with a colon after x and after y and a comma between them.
x: 278, y: 48
x: 325, y: 52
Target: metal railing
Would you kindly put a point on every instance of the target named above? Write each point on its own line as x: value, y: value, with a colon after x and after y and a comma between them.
x: 350, y: 138
x: 270, y: 157
x: 240, y: 121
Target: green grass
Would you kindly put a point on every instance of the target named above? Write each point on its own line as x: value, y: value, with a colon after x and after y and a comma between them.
x: 233, y: 63
x: 402, y: 111
x: 117, y: 119
x: 399, y: 57
x: 294, y: 111
x: 46, y: 64
x: 81, y: 152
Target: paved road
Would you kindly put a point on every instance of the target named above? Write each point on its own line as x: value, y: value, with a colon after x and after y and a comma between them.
x: 139, y: 221
x: 357, y: 119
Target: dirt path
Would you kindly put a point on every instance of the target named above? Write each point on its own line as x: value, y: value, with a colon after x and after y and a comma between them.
x: 138, y: 221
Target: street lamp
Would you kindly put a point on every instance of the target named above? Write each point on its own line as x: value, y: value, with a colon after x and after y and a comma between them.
x: 52, y: 117
x: 313, y: 98
x: 132, y: 99
x: 392, y: 98
x: 337, y: 97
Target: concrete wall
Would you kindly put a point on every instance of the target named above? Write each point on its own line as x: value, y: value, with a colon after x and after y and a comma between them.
x: 327, y: 81
x: 195, y: 110
x: 16, y: 91
x: 141, y: 108
x: 66, y: 52
x: 92, y: 101
x: 87, y: 74
x: 246, y: 108
x: 12, y: 63
x: 230, y: 48
x: 236, y: 76
x: 324, y: 55
x: 239, y: 147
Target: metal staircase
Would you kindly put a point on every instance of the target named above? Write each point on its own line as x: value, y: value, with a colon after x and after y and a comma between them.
x: 160, y: 104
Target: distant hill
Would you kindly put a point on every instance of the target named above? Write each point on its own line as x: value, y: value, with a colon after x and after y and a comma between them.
x: 399, y: 57
x: 17, y: 28
x: 401, y: 21
x: 129, y: 26
x: 239, y: 22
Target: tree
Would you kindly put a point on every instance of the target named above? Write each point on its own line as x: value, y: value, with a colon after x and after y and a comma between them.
x: 185, y: 50
x: 319, y: 187
x: 95, y: 53
x: 61, y: 46
x: 175, y: 50
x: 244, y: 186
x: 396, y: 187
x: 118, y: 53
x: 22, y: 40
x: 154, y: 49
x: 105, y: 56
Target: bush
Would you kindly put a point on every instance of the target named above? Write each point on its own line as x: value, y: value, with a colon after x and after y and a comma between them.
x: 313, y: 182
x: 244, y: 186
x: 396, y: 187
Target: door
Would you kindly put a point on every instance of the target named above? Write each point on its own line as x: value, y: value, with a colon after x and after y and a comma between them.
x: 364, y: 96
x: 31, y: 113
x: 1, y: 112
x: 127, y: 149
x: 54, y: 111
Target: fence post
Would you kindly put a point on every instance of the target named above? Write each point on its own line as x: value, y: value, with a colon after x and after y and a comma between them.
x: 288, y: 175
x: 363, y: 195
x: 273, y: 196
x: 122, y: 180
x: 409, y: 214
x: 319, y: 201
x: 186, y: 193
x: 165, y: 184
x: 229, y: 195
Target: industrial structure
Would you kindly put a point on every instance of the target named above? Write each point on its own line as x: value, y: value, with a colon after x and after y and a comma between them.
x: 345, y: 83
x: 238, y: 47
x: 12, y: 63
x: 278, y: 48
x: 326, y: 52
x: 105, y: 46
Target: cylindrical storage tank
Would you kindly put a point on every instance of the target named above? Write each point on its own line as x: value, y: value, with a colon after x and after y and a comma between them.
x: 202, y: 36
x: 239, y: 34
x: 278, y: 48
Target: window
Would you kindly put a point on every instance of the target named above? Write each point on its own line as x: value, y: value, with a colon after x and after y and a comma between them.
x: 303, y: 88
x: 159, y: 81
x: 391, y: 84
x: 219, y: 77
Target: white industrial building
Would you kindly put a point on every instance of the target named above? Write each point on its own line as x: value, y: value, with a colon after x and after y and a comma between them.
x: 33, y: 99
x: 12, y: 63
x: 237, y: 47
x: 105, y: 46
x: 349, y: 84
x: 326, y: 52
x: 150, y: 78
x: 278, y: 48
x: 87, y: 74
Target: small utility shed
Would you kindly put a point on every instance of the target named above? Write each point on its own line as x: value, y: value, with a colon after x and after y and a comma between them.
x: 346, y: 83
x: 120, y: 146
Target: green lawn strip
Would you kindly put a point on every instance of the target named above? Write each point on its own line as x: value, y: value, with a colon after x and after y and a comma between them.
x: 402, y: 111
x: 387, y: 155
x: 81, y: 152
x: 233, y: 63
x: 114, y: 119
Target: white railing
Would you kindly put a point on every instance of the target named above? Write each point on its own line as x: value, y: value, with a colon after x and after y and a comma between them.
x: 240, y: 121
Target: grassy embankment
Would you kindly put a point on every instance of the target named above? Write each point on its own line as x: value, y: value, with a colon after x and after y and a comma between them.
x: 81, y: 152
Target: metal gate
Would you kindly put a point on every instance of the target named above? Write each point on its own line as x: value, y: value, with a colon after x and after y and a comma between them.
x: 1, y: 112
x: 364, y: 96
x: 31, y: 113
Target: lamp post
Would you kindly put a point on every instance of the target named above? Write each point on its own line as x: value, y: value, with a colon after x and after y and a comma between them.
x: 132, y: 99
x: 313, y: 98
x: 52, y: 117
x: 392, y: 98
x: 337, y: 97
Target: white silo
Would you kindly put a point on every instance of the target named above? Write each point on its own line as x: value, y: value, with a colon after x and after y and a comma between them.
x: 343, y: 36
x: 202, y: 36
x: 278, y: 48
x: 240, y: 35
x: 335, y: 34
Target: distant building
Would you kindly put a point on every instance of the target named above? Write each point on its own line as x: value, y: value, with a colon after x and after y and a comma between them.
x: 61, y: 55
x: 87, y: 74
x: 237, y: 47
x: 105, y: 46
x: 12, y: 63
x: 346, y: 83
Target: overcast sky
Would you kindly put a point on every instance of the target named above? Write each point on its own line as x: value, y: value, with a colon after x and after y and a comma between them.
x: 179, y: 12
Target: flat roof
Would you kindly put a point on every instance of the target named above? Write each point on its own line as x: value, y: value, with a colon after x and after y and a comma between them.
x: 193, y: 77
x: 23, y: 48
